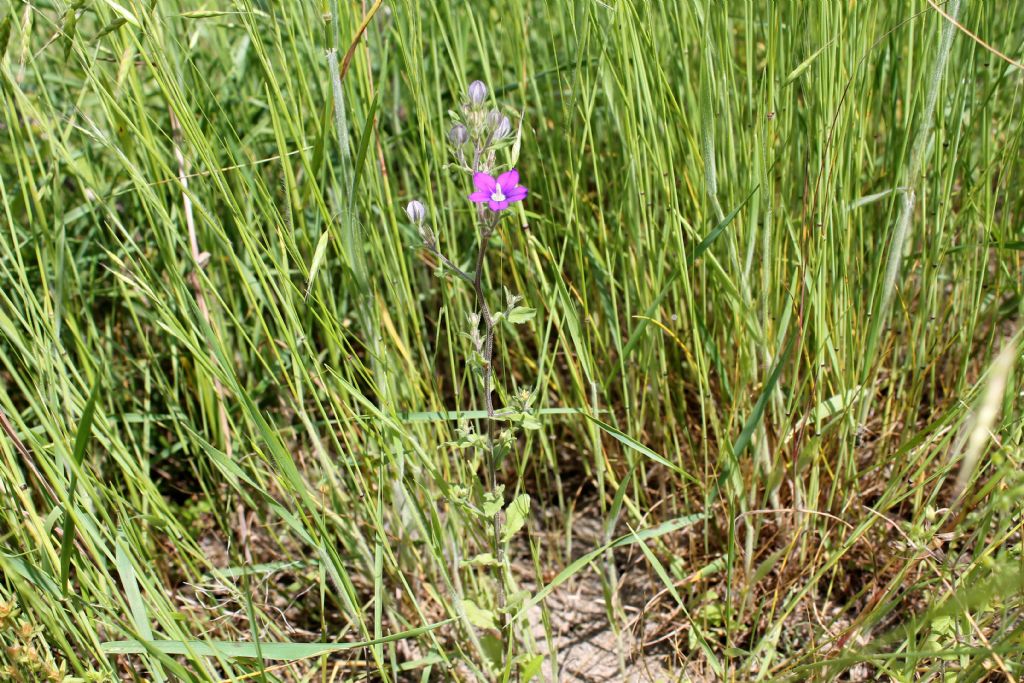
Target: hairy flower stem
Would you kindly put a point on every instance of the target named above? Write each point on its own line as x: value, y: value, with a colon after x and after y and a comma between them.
x: 450, y: 265
x: 487, y: 227
x: 485, y: 314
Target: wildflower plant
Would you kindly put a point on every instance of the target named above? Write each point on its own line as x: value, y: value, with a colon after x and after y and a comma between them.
x: 27, y: 651
x: 476, y: 136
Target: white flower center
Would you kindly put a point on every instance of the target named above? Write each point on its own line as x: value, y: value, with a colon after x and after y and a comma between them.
x: 497, y: 195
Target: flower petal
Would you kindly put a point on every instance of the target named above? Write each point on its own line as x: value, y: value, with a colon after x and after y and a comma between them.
x: 498, y: 206
x: 508, y: 180
x: 517, y: 194
x: 479, y: 197
x: 484, y: 183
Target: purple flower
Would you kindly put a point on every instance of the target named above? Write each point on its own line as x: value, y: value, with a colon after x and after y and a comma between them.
x: 498, y: 192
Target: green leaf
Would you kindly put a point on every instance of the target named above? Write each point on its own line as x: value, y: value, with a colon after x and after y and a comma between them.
x: 121, y: 10
x: 481, y: 560
x: 69, y: 29
x: 266, y: 568
x: 824, y: 410
x: 494, y: 501
x: 571, y: 321
x: 834, y: 404
x: 204, y: 14
x: 513, y: 601
x: 620, y: 495
x: 84, y: 430
x: 469, y: 440
x: 668, y: 527
x: 697, y: 632
x: 529, y: 667
x: 640, y: 448
x: 318, y: 257
x: 13, y: 564
x: 133, y: 596
x: 493, y: 650
x: 767, y: 565
x: 319, y: 146
x: 743, y: 440
x: 117, y: 23
x: 430, y: 416
x: 521, y: 314
x: 5, y: 35
x: 130, y: 585
x: 67, y: 544
x: 795, y: 73
x: 478, y: 616
x: 699, y: 250
x: 364, y: 142
x: 515, y: 516
x: 530, y: 422
x: 228, y: 649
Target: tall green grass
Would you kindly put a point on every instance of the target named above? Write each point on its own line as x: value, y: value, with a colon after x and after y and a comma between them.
x: 775, y: 250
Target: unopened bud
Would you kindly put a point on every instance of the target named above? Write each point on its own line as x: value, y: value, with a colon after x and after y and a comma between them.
x: 502, y: 130
x: 458, y: 135
x: 493, y: 119
x: 474, y: 120
x: 416, y: 211
x: 427, y: 235
x: 477, y: 92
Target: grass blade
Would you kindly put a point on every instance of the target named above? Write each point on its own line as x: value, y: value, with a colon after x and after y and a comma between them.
x: 82, y: 435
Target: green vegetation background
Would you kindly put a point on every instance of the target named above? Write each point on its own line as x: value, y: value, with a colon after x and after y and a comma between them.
x: 786, y: 383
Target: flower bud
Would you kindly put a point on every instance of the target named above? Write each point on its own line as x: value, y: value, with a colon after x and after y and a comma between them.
x: 493, y: 119
x: 427, y: 235
x: 458, y: 135
x: 502, y: 130
x: 477, y: 92
x: 416, y: 211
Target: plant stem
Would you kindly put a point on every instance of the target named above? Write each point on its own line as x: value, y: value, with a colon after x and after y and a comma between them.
x: 450, y: 264
x: 485, y: 314
x: 486, y: 230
